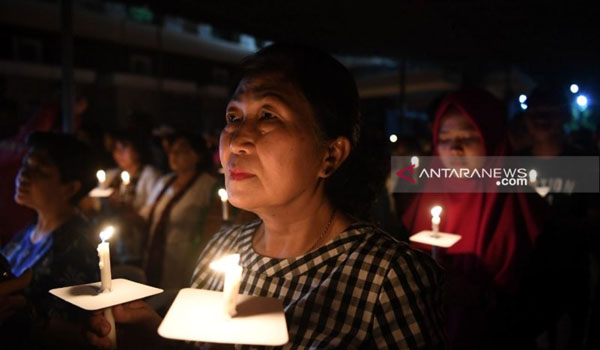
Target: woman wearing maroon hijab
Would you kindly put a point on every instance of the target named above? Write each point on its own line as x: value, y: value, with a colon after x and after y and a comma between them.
x: 498, y: 229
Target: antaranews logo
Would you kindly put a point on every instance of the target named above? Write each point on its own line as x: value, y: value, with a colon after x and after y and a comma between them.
x: 494, y: 174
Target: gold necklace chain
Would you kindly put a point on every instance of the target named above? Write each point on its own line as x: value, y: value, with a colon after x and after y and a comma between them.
x: 321, y: 236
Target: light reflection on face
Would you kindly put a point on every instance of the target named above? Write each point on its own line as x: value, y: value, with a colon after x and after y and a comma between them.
x: 269, y: 148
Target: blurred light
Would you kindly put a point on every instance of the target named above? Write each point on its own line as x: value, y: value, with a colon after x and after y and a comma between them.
x: 522, y: 98
x: 533, y: 175
x: 574, y: 88
x: 523, y: 106
x: 223, y: 194
x: 393, y: 138
x: 582, y: 101
x: 414, y: 160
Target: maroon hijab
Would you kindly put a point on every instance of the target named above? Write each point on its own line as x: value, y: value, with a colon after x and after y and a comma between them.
x: 498, y: 229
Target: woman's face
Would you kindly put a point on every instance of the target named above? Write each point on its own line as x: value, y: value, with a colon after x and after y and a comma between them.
x: 125, y: 155
x: 38, y: 184
x: 458, y: 141
x: 182, y: 156
x: 269, y: 148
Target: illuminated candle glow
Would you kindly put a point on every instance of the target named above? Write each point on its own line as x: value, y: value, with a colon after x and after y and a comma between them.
x: 125, y: 178
x: 106, y: 277
x: 435, y: 220
x: 233, y: 275
x: 101, y: 175
x: 414, y: 161
x: 225, y: 208
x: 533, y: 176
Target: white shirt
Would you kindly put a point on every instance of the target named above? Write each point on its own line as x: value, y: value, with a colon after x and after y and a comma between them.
x: 183, y: 226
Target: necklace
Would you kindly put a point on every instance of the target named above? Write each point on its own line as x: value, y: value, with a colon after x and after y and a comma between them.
x: 321, y: 236
x: 324, y: 233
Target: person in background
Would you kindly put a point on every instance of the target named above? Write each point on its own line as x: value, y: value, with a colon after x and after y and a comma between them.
x: 486, y: 266
x: 129, y: 152
x: 560, y: 292
x: 55, y: 174
x: 292, y: 154
x: 176, y: 213
x: 124, y: 205
x: 547, y: 112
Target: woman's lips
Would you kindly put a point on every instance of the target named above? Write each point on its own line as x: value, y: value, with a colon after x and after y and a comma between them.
x: 239, y: 175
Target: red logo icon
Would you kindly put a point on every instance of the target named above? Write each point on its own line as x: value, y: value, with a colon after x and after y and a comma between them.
x: 410, y: 179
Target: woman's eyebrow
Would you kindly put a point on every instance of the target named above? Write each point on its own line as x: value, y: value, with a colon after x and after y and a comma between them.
x: 259, y: 92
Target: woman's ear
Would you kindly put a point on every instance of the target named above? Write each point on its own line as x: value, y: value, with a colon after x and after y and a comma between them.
x: 71, y: 188
x: 336, y: 153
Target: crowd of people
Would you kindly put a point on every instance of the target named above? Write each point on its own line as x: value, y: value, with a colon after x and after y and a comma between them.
x: 307, y: 186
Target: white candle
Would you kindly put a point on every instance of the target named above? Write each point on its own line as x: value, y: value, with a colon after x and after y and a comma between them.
x: 233, y: 276
x: 101, y: 175
x: 106, y: 278
x: 104, y: 256
x: 125, y: 178
x: 435, y: 220
x: 414, y: 161
x: 225, y: 208
x: 532, y: 176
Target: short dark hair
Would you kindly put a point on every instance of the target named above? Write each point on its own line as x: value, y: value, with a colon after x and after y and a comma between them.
x: 198, y: 144
x: 331, y: 91
x: 74, y: 159
x: 137, y: 140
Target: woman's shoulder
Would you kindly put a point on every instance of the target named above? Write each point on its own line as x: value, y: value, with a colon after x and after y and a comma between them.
x: 150, y: 173
x: 231, y: 236
x: 391, y: 253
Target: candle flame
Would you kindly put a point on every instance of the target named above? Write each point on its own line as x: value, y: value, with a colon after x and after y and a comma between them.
x: 414, y: 161
x: 532, y: 175
x: 223, y: 194
x: 101, y: 175
x: 107, y: 233
x: 125, y: 177
x: 226, y: 263
x: 436, y: 211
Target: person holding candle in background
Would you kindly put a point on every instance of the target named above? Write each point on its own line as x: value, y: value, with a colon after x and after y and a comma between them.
x: 498, y: 230
x: 292, y: 154
x: 55, y: 174
x: 176, y: 213
x: 129, y: 152
x: 133, y: 182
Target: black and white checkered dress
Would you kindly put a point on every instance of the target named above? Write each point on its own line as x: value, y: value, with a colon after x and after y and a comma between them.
x: 362, y: 290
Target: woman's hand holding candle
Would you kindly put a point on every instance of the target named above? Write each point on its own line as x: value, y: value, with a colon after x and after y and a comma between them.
x: 140, y: 332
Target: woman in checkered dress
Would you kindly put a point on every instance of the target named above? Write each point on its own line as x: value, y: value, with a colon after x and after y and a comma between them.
x: 292, y: 154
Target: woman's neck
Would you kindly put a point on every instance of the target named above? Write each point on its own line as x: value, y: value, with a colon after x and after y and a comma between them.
x: 50, y: 220
x: 289, y: 233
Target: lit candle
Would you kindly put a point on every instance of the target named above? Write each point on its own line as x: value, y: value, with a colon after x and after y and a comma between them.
x: 106, y: 278
x: 233, y: 276
x: 435, y: 220
x: 104, y: 255
x: 414, y: 161
x: 125, y: 178
x: 532, y: 176
x: 225, y: 209
x: 101, y: 175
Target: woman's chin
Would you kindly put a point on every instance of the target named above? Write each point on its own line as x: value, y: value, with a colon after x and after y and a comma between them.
x: 22, y: 200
